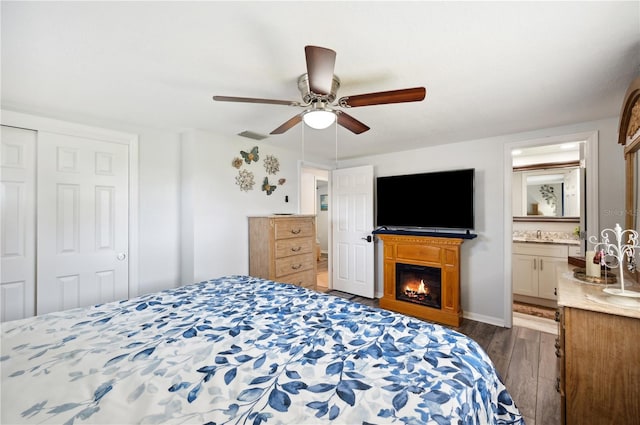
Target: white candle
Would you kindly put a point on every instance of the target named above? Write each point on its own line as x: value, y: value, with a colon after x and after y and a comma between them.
x: 592, y: 270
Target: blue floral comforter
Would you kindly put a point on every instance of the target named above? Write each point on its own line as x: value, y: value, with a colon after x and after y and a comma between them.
x: 242, y: 350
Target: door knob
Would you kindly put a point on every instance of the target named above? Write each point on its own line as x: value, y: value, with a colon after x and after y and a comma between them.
x: 121, y: 256
x: 368, y: 238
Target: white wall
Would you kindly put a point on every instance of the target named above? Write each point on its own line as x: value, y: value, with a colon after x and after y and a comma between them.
x: 214, y: 209
x: 307, y: 192
x: 159, y: 210
x: 486, y: 259
x: 311, y: 179
x: 322, y: 218
x: 611, y: 174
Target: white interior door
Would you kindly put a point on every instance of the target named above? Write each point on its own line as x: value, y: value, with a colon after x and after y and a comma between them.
x: 352, y: 217
x: 82, y: 222
x: 17, y: 281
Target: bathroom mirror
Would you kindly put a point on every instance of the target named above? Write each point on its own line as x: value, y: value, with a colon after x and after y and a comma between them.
x: 547, y: 192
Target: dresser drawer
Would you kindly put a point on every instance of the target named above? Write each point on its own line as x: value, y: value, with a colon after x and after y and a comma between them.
x: 293, y: 228
x: 294, y: 246
x: 294, y: 264
x: 306, y: 279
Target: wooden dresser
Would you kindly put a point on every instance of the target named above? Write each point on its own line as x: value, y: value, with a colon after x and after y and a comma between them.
x: 598, y: 351
x: 282, y: 248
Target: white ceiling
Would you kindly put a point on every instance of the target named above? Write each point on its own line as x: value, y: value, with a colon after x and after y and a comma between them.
x: 561, y: 152
x: 489, y: 68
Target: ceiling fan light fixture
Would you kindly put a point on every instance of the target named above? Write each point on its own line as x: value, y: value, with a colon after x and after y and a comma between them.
x: 319, y: 119
x: 319, y: 88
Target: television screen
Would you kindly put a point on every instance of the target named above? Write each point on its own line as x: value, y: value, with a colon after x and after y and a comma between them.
x: 436, y: 200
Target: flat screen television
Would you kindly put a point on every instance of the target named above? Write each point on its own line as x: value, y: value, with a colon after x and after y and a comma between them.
x: 435, y: 200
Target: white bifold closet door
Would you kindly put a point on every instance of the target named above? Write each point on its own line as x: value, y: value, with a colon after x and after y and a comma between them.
x: 64, y: 222
x: 82, y: 222
x: 17, y: 224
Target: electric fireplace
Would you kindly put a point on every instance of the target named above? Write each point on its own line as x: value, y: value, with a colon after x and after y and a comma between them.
x: 418, y: 284
x: 422, y: 277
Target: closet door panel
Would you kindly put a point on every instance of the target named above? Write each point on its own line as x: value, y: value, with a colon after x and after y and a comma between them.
x: 82, y: 222
x: 17, y: 228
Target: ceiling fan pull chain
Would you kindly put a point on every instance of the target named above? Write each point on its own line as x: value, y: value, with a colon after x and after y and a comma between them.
x: 303, y: 143
x: 336, y: 128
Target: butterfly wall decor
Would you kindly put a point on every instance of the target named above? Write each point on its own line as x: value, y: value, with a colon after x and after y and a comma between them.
x: 250, y: 156
x: 268, y: 187
x: 244, y: 179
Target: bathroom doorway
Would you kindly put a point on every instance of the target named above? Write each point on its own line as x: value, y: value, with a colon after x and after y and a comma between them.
x: 551, y: 185
x: 315, y: 196
x: 322, y: 227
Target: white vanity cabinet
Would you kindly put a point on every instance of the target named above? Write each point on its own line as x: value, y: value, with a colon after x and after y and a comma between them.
x: 534, y: 268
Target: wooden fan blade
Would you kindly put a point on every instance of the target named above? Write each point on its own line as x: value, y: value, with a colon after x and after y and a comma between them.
x: 287, y: 125
x: 255, y: 100
x: 320, y: 65
x: 394, y: 96
x: 350, y: 123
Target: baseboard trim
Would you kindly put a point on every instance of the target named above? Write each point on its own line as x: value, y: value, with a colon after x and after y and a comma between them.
x: 495, y: 321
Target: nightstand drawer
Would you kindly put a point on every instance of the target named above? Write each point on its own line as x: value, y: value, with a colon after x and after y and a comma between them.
x: 295, y: 264
x: 295, y: 246
x: 295, y: 228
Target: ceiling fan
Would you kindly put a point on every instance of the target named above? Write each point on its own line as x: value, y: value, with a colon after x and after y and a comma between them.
x: 319, y: 87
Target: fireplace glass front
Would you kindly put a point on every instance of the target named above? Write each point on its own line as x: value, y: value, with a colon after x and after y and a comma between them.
x: 418, y: 284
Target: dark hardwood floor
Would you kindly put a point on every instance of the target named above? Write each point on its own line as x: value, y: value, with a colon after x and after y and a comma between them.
x: 524, y: 358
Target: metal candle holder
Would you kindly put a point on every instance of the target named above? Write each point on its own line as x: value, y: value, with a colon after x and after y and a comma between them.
x: 617, y: 249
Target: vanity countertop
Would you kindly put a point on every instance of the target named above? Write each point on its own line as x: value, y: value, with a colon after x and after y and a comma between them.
x: 523, y: 239
x: 590, y: 296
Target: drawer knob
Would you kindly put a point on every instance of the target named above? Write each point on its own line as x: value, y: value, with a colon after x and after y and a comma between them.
x: 296, y: 231
x: 296, y: 266
x: 296, y: 248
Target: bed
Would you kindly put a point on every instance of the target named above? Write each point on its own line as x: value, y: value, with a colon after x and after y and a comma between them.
x: 243, y: 350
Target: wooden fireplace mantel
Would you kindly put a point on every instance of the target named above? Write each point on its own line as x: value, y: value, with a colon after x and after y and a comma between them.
x: 437, y: 252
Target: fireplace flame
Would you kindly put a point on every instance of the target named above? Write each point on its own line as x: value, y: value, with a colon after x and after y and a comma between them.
x: 422, y: 289
x: 415, y: 290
